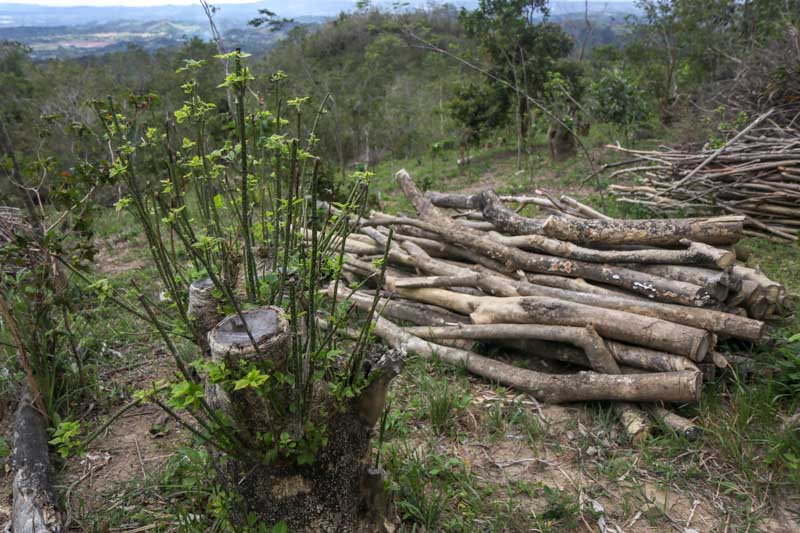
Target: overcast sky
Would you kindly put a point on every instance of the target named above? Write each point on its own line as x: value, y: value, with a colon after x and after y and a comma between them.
x: 136, y: 3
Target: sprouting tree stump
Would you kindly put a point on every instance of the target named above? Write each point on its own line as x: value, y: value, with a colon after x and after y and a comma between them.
x: 338, y: 491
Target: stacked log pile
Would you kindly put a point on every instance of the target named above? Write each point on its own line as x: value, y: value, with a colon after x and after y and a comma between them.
x: 623, y: 310
x: 756, y: 175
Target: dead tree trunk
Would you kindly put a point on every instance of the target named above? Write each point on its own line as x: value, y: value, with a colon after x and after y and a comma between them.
x: 338, y: 491
x: 561, y: 143
x: 35, y: 504
x: 203, y: 311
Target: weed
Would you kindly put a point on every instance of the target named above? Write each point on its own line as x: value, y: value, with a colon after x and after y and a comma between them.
x: 560, y: 512
x: 443, y: 405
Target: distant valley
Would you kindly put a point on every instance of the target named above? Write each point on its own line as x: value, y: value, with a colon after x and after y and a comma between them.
x: 63, y: 32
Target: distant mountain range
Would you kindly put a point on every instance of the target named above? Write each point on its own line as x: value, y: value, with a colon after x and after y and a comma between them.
x: 53, y: 31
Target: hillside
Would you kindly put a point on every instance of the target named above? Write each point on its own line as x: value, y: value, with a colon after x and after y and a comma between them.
x: 401, y: 268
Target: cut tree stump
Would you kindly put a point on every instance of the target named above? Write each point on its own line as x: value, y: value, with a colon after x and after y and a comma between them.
x: 339, y: 491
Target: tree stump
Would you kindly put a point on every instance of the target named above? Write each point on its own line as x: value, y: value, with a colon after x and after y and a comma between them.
x: 561, y: 143
x: 202, y: 311
x: 338, y: 491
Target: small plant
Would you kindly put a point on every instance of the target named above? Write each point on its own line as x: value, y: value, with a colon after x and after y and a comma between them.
x: 561, y: 510
x: 65, y: 438
x: 443, y: 404
x: 241, y: 217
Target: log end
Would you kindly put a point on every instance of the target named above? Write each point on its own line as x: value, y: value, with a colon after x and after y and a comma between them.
x: 701, y: 347
x: 696, y: 385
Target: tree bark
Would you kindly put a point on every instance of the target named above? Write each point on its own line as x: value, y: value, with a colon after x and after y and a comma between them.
x: 694, y: 254
x: 494, y: 283
x: 203, y: 311
x: 595, y: 353
x: 719, y: 322
x: 619, y: 325
x: 677, y: 423
x: 625, y: 355
x: 561, y: 143
x: 773, y: 291
x: 716, y: 282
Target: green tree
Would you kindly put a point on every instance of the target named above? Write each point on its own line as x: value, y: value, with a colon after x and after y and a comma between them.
x: 618, y: 100
x: 521, y: 46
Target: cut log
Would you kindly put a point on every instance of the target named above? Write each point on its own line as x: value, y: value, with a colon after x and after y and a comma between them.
x: 694, y: 254
x: 719, y: 322
x: 624, y: 354
x: 669, y: 386
x: 410, y: 311
x: 467, y: 280
x: 716, y: 282
x: 596, y: 354
x: 675, y: 422
x: 772, y: 289
x: 635, y: 422
x: 583, y: 209
x: 626, y: 327
x: 35, y: 507
x: 400, y: 309
x: 495, y: 284
x: 655, y: 232
x: 570, y: 284
x: 619, y: 325
x: 653, y: 287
